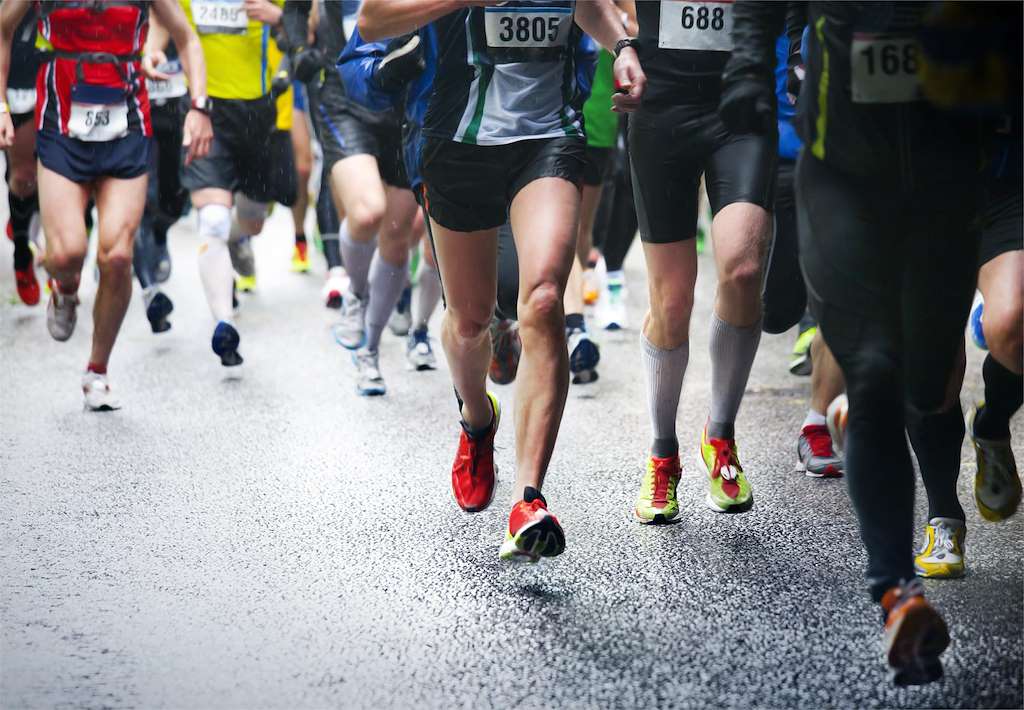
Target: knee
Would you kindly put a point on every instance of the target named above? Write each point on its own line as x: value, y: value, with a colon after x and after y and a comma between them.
x: 115, y: 261
x: 1004, y: 332
x: 541, y: 307
x: 671, y: 306
x: 741, y: 274
x: 214, y: 222
x: 23, y: 181
x: 468, y: 325
x: 872, y: 380
x: 365, y: 218
x: 61, y: 259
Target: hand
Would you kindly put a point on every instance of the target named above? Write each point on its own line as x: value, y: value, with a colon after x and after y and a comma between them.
x: 402, y: 63
x: 262, y: 11
x: 6, y: 131
x: 150, y: 61
x: 198, y: 135
x: 747, y: 106
x: 306, y: 62
x: 630, y: 81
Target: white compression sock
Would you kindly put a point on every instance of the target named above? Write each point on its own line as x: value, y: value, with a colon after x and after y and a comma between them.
x: 214, y: 261
x: 387, y: 281
x: 426, y: 296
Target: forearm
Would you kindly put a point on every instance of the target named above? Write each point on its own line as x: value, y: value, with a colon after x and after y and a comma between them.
x: 601, y: 20
x: 11, y: 13
x: 158, y: 37
x: 756, y: 25
x: 379, y: 19
x: 295, y: 22
x: 172, y: 21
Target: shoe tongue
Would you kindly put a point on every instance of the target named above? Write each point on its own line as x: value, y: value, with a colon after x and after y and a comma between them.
x: 948, y: 522
x: 531, y: 494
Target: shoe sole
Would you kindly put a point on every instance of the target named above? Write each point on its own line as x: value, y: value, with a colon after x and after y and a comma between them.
x: 372, y: 391
x: 226, y: 348
x: 658, y: 519
x: 800, y: 468
x: 801, y: 368
x: 543, y: 538
x: 420, y: 366
x: 947, y: 574
x: 916, y: 645
x: 584, y: 377
x: 339, y: 341
x: 157, y: 313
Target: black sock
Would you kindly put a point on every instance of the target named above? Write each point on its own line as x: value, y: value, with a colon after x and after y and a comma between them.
x: 937, y: 439
x: 21, y: 209
x: 300, y: 238
x: 665, y: 448
x: 531, y: 494
x: 574, y: 321
x: 1004, y: 393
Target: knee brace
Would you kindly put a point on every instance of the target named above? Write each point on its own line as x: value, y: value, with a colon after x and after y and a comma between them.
x: 214, y: 222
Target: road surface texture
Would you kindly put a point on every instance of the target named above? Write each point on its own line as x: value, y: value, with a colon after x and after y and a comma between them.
x: 262, y: 537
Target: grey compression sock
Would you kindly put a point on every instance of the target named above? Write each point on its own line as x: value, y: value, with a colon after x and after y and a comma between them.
x: 664, y: 371
x: 732, y: 355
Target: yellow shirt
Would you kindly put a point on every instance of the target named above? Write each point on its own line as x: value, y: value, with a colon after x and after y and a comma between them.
x: 286, y: 101
x: 236, y: 48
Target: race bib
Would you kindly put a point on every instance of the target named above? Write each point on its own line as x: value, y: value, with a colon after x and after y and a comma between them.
x: 97, y: 123
x: 883, y: 69
x: 172, y: 88
x: 219, y: 17
x: 21, y: 100
x: 527, y: 27
x: 699, y: 26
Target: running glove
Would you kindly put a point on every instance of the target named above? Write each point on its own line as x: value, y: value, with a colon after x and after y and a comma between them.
x: 747, y: 106
x: 402, y: 63
x: 306, y: 62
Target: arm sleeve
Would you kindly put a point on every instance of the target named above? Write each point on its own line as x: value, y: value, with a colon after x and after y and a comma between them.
x: 295, y: 22
x: 756, y: 25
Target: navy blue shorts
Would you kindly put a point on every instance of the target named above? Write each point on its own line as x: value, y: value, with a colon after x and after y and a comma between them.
x: 82, y: 161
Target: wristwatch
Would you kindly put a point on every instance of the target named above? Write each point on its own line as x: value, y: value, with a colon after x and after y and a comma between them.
x: 4, y: 108
x: 201, y: 104
x: 625, y: 42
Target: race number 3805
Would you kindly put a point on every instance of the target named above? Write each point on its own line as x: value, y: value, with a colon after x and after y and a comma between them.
x: 534, y: 27
x: 700, y: 26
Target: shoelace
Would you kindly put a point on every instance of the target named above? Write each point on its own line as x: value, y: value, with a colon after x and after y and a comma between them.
x: 661, y: 479
x: 469, y: 458
x: 819, y: 440
x: 944, y: 537
x: 728, y: 465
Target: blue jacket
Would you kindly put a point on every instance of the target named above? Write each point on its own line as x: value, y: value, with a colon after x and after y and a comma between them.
x: 358, y: 64
x: 789, y: 141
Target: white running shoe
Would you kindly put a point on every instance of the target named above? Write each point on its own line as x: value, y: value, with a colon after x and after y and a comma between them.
x: 335, y: 287
x: 61, y: 313
x: 583, y: 357
x: 350, y: 332
x: 369, y: 381
x: 611, y: 307
x: 836, y: 417
x: 98, y: 397
x: 419, y: 353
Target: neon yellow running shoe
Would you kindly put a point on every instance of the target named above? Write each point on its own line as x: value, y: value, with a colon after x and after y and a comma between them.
x: 997, y: 489
x: 728, y: 490
x: 300, y: 258
x: 800, y: 364
x: 942, y: 556
x: 657, y: 500
x: 245, y: 284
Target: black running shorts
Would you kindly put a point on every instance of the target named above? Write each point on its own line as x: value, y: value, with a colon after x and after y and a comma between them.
x: 597, y: 167
x: 671, y: 146
x: 345, y: 132
x: 241, y: 157
x: 469, y: 187
x: 1002, y: 220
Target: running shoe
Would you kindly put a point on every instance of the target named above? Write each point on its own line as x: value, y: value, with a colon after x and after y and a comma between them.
x: 369, y: 381
x: 400, y: 322
x: 246, y: 284
x: 506, y: 348
x: 997, y: 489
x: 974, y: 323
x: 815, y: 456
x: 836, y: 417
x: 158, y: 307
x: 657, y: 500
x: 27, y: 284
x: 350, y: 331
x: 474, y: 471
x: 611, y: 307
x: 61, y: 313
x: 915, y: 634
x: 98, y: 397
x: 162, y: 268
x: 335, y: 287
x: 942, y: 556
x: 728, y: 490
x: 583, y: 357
x: 800, y: 364
x: 9, y: 230
x: 591, y: 287
x: 418, y: 351
x: 532, y: 532
x: 300, y: 258
x: 225, y: 344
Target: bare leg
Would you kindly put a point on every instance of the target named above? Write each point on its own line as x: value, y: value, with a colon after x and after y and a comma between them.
x: 62, y: 206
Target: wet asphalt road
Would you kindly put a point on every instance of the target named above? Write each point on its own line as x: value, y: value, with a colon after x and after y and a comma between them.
x: 262, y: 537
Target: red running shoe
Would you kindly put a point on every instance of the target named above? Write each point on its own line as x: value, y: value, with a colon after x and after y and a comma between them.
x: 474, y: 472
x: 28, y: 286
x: 10, y: 231
x: 533, y: 532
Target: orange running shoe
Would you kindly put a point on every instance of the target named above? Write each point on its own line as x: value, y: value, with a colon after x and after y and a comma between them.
x: 474, y: 472
x: 915, y: 634
x: 533, y: 532
x: 28, y: 286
